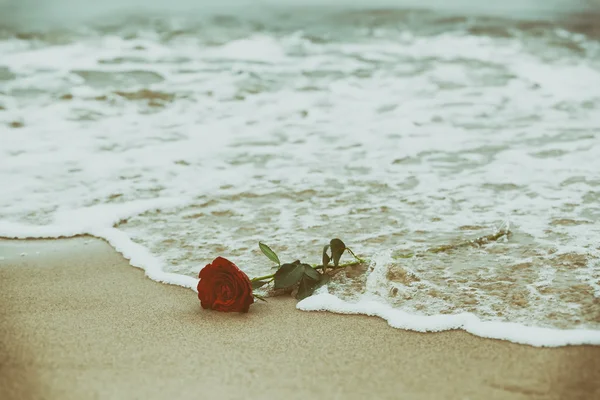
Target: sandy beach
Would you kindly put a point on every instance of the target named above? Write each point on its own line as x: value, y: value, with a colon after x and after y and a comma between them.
x: 77, y: 322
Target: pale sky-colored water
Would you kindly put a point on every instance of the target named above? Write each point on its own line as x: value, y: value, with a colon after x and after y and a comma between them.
x: 394, y: 130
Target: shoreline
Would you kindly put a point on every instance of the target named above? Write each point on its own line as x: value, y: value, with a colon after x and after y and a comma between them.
x: 79, y: 322
x: 516, y: 332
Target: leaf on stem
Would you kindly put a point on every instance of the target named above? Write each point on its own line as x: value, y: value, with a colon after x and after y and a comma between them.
x: 326, y: 258
x: 324, y: 280
x: 288, y: 275
x: 311, y: 272
x: 306, y: 288
x: 337, y: 249
x: 308, y: 285
x: 258, y: 284
x: 269, y: 253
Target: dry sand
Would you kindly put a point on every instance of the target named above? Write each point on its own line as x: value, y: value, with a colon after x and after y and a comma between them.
x: 77, y: 322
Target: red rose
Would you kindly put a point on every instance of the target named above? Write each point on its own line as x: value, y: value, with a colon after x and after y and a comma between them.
x: 224, y: 287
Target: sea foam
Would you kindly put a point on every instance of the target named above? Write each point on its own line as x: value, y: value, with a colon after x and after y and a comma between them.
x: 512, y: 332
x: 178, y: 141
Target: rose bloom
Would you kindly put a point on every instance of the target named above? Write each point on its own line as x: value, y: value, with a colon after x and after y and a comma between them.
x: 224, y: 287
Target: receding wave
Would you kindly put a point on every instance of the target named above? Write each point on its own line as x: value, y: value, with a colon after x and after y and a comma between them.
x: 180, y: 138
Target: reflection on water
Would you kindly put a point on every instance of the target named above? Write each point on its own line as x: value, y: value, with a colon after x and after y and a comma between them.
x: 394, y: 130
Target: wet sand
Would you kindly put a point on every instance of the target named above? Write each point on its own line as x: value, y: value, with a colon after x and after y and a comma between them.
x: 77, y: 322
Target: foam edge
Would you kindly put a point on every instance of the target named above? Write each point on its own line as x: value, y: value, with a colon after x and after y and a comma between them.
x: 508, y: 331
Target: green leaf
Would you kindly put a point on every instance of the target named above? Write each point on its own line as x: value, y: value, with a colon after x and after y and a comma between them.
x: 288, y: 275
x: 311, y: 272
x: 324, y: 281
x: 269, y: 253
x: 258, y: 284
x: 308, y: 286
x: 337, y: 249
x: 260, y: 297
x: 326, y: 258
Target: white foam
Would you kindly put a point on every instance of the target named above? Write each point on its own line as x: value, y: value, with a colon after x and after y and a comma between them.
x: 85, y: 220
x: 513, y: 332
x: 94, y: 221
x: 393, y: 139
x: 257, y: 48
x: 140, y: 257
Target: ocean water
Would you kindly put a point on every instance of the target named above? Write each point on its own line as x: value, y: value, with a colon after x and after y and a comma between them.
x: 180, y: 137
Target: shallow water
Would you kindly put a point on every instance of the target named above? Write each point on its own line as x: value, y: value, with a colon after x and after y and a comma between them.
x: 395, y: 130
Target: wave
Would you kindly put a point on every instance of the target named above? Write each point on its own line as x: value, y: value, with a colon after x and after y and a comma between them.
x: 368, y: 304
x: 509, y: 331
x: 397, y: 132
x: 35, y: 13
